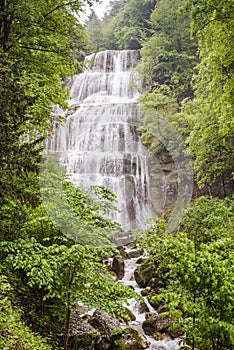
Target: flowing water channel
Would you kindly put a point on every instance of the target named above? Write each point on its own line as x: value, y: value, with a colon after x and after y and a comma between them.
x: 134, y: 307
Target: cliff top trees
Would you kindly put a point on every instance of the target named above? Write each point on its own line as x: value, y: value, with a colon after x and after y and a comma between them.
x: 123, y: 26
x: 38, y: 40
x: 211, y: 140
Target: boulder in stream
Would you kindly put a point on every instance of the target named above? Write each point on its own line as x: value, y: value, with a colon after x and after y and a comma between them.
x: 135, y: 253
x: 156, y: 323
x: 143, y: 275
x: 108, y: 326
x: 118, y: 266
x: 82, y: 334
x: 130, y: 340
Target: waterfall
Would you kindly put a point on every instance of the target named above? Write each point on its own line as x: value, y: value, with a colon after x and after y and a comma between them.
x: 98, y: 143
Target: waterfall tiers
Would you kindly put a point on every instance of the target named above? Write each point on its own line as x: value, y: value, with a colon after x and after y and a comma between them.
x: 98, y: 144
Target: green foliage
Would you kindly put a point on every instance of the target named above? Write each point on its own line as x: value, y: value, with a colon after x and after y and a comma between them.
x: 93, y: 29
x: 123, y: 27
x: 166, y: 68
x: 46, y: 269
x: 209, y: 219
x: 38, y: 41
x: 56, y: 276
x: 199, y: 287
x: 168, y: 56
x: 211, y: 140
x: 78, y: 212
x: 14, y: 334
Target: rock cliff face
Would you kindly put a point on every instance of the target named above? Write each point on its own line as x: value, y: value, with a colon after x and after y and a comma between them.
x: 163, y: 173
x: 163, y: 181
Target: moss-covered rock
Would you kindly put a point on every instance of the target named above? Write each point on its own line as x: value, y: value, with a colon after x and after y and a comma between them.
x: 130, y: 314
x: 118, y: 266
x: 135, y: 253
x: 81, y: 334
x: 87, y: 341
x: 130, y: 340
x: 158, y: 336
x: 153, y: 301
x: 156, y: 323
x: 144, y: 273
x: 145, y: 292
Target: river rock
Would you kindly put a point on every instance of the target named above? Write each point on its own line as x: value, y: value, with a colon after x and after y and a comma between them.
x: 135, y: 253
x: 123, y: 252
x: 103, y: 322
x: 156, y: 323
x: 158, y: 336
x: 142, y: 308
x: 130, y: 340
x: 82, y: 334
x: 141, y: 260
x: 174, y: 333
x: 162, y: 308
x: 130, y: 314
x: 143, y: 274
x: 145, y: 292
x: 118, y: 266
x: 107, y: 326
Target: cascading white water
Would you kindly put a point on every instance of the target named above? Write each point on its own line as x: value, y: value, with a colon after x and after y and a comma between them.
x: 98, y: 144
x: 129, y: 280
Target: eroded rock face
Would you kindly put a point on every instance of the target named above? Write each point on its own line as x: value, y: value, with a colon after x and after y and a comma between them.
x: 130, y: 340
x: 156, y: 323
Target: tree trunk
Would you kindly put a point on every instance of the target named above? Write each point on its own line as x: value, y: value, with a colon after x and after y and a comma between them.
x: 66, y: 334
x: 68, y: 313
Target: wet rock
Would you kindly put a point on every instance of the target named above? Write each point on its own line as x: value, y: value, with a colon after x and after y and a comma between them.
x: 141, y: 260
x: 162, y: 308
x: 130, y: 314
x: 81, y: 334
x: 156, y: 323
x: 143, y: 274
x: 104, y: 323
x: 158, y: 336
x: 145, y: 292
x: 174, y: 333
x: 130, y: 340
x: 108, y: 262
x: 79, y: 325
x: 135, y: 253
x: 118, y: 266
x: 143, y: 307
x: 107, y: 326
x: 113, y: 276
x: 123, y: 253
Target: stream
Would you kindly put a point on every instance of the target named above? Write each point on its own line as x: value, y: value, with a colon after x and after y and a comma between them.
x: 134, y: 306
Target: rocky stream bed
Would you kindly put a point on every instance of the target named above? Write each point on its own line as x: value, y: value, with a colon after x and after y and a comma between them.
x: 150, y: 326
